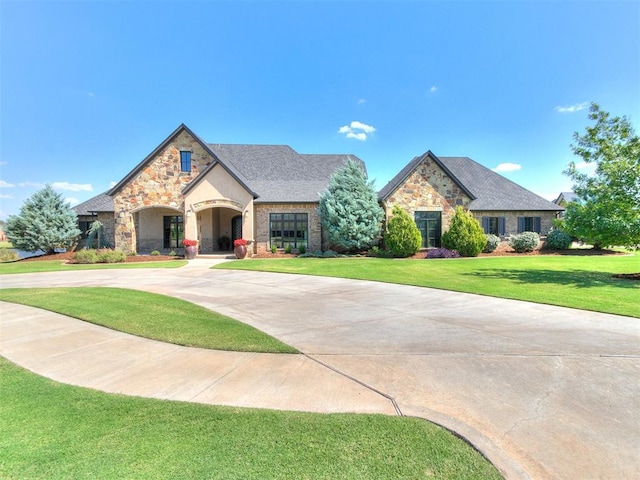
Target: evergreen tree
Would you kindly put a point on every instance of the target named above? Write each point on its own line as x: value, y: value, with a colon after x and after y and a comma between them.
x: 465, y: 234
x: 45, y: 222
x: 349, y: 210
x: 403, y: 237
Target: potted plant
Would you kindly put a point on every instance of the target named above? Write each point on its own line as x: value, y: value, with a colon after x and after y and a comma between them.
x: 190, y: 248
x: 240, y: 248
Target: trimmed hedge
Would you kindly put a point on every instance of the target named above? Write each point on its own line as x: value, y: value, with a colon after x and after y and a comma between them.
x: 524, y: 242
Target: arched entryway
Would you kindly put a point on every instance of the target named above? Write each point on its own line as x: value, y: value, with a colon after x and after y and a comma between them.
x: 217, y: 227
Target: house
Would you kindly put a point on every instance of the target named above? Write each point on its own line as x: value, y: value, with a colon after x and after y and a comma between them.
x: 269, y: 194
x: 429, y: 188
x: 564, y: 198
x: 186, y: 188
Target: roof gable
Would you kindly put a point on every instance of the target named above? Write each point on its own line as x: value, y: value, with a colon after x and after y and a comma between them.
x: 487, y: 189
x: 149, y: 158
x: 411, y: 167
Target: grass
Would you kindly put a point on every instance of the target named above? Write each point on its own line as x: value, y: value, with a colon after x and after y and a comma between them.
x: 583, y: 282
x: 57, y: 266
x: 54, y: 431
x: 6, y: 244
x: 149, y: 315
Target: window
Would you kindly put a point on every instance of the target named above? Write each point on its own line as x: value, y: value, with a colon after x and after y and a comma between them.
x: 185, y: 161
x: 173, y: 231
x: 528, y: 224
x: 430, y: 226
x: 288, y: 229
x: 494, y: 225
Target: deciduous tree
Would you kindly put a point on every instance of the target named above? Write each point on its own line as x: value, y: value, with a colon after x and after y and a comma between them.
x: 607, y: 211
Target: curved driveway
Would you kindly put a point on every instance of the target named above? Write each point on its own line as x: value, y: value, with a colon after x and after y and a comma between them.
x: 542, y: 391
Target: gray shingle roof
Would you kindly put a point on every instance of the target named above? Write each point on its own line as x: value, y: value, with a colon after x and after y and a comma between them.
x: 277, y: 173
x: 99, y: 203
x: 566, y: 197
x: 487, y: 189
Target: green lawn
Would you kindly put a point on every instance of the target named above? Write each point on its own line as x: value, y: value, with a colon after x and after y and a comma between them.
x: 57, y: 266
x: 54, y: 431
x: 149, y: 315
x: 583, y: 282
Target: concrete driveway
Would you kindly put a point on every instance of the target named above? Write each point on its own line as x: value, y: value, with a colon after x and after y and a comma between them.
x: 544, y: 392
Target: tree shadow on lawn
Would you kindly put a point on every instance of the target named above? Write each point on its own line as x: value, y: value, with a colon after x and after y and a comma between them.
x: 574, y: 278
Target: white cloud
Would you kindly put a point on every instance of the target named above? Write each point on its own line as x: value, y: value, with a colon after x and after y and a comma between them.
x: 31, y: 184
x: 357, y: 130
x: 433, y: 89
x: 73, y: 187
x: 507, y: 167
x: 4, y: 184
x: 3, y: 163
x: 361, y: 101
x: 91, y: 94
x: 572, y: 108
x: 358, y: 136
x: 4, y: 195
x: 112, y: 184
x: 72, y: 201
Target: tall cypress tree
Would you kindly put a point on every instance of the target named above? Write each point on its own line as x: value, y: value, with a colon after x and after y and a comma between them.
x: 349, y: 209
x: 45, y: 222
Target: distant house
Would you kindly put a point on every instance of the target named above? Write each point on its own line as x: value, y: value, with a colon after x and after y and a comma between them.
x: 269, y: 194
x: 430, y: 188
x: 564, y: 198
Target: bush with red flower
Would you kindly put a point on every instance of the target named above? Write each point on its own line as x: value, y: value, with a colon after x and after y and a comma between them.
x: 189, y: 243
x: 240, y: 242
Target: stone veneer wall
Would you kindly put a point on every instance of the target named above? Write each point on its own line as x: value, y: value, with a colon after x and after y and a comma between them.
x: 511, y: 219
x: 428, y: 188
x: 262, y: 212
x: 158, y: 184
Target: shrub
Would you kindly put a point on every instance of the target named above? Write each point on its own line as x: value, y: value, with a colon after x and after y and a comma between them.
x: 288, y: 249
x: 330, y: 254
x: 403, y: 238
x: 274, y: 249
x: 441, y: 253
x: 464, y: 235
x: 557, y: 240
x: 155, y: 253
x: 172, y: 253
x: 111, y: 256
x: 492, y: 243
x: 86, y: 256
x: 524, y: 242
x: 317, y: 253
x: 7, y: 255
x: 302, y: 250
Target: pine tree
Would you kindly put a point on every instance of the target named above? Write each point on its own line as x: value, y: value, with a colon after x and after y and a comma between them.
x: 45, y: 222
x: 403, y: 237
x: 349, y: 210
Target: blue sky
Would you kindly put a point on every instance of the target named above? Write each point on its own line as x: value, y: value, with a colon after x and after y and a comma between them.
x: 89, y: 88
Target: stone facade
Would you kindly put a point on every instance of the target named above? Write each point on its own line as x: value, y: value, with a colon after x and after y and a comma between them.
x: 158, y: 185
x: 428, y: 188
x: 262, y: 211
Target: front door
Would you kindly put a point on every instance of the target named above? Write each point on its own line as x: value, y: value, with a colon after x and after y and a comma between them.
x: 236, y: 228
x: 430, y: 226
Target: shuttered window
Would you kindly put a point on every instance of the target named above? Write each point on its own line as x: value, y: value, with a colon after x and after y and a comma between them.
x: 185, y: 161
x: 494, y: 225
x: 529, y: 224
